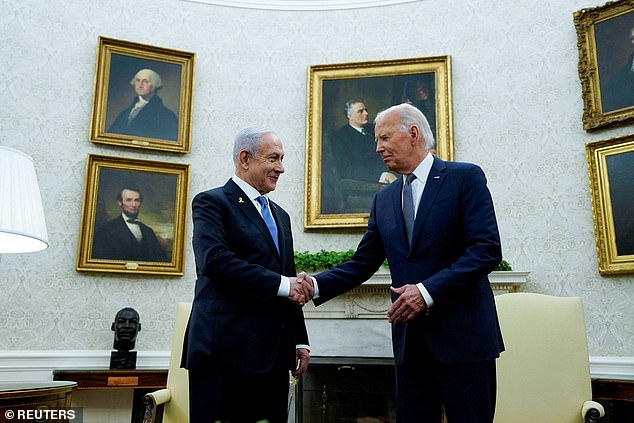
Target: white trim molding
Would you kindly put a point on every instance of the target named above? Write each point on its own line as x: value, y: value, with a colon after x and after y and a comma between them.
x: 306, y: 5
x: 39, y: 365
x: 616, y: 368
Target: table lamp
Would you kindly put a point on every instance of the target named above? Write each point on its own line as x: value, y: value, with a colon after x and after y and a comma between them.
x: 22, y: 225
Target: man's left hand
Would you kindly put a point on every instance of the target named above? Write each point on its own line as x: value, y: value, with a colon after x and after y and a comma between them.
x: 302, y: 357
x: 408, y: 305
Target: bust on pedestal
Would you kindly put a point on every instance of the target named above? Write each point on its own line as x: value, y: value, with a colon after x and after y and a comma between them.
x: 126, y: 325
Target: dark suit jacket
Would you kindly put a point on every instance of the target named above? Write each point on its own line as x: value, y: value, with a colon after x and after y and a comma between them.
x: 114, y: 241
x: 456, y: 245
x: 153, y: 121
x: 237, y: 319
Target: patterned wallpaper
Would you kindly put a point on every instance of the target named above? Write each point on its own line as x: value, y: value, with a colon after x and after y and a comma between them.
x: 517, y: 112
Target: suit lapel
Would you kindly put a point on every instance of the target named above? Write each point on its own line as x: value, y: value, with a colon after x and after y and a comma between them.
x: 432, y: 187
x: 242, y: 202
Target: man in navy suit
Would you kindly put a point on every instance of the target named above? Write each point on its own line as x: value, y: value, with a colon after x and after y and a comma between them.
x: 445, y: 331
x: 246, y: 329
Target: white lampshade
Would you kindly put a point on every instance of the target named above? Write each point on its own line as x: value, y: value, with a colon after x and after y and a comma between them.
x: 22, y: 225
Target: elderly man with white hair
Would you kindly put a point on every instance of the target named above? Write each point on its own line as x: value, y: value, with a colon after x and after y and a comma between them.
x: 147, y: 116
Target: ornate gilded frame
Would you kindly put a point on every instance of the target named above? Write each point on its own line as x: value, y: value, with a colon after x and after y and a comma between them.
x: 381, y: 84
x: 117, y: 63
x: 164, y: 187
x: 603, y: 39
x: 611, y: 177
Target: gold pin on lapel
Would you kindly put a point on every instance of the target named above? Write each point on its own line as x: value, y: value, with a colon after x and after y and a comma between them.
x: 240, y: 200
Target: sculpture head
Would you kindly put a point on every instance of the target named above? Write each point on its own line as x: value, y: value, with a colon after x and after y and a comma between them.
x: 126, y: 325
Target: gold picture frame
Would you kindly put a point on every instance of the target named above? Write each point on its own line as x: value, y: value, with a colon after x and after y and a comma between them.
x: 332, y: 90
x: 113, y: 185
x: 606, y: 54
x: 165, y: 121
x: 611, y: 177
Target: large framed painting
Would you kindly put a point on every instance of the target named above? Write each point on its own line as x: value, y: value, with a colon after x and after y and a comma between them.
x: 605, y: 37
x: 611, y: 174
x: 142, y: 96
x: 343, y: 170
x: 133, y: 216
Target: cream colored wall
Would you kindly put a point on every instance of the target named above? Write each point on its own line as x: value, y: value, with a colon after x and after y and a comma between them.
x: 517, y: 112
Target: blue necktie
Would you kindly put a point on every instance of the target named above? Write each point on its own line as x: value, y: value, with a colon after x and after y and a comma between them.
x: 268, y: 219
x: 408, y: 207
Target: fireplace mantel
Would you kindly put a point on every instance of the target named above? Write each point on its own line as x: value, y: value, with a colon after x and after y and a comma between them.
x: 355, y: 324
x: 371, y: 300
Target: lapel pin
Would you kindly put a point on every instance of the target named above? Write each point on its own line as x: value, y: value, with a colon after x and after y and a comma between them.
x: 436, y: 177
x: 240, y: 200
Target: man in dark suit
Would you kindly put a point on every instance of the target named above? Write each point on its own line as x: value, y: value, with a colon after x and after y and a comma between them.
x: 147, y: 116
x: 445, y: 331
x: 244, y: 335
x: 125, y: 237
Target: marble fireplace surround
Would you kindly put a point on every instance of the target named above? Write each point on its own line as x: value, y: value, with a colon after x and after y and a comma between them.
x: 354, y: 324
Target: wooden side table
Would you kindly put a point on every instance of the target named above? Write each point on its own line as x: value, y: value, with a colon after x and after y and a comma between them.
x: 140, y: 381
x: 36, y: 401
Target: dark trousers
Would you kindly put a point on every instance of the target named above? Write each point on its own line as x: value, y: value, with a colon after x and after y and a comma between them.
x: 223, y: 395
x: 465, y: 391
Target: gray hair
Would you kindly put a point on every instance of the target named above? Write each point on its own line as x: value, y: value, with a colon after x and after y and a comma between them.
x: 157, y: 82
x: 408, y: 116
x: 347, y: 108
x: 248, y: 139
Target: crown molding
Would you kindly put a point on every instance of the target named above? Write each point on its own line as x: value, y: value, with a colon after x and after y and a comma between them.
x: 306, y: 5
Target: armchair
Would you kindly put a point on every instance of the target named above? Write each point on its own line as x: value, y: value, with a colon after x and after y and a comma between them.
x: 175, y: 396
x: 544, y: 375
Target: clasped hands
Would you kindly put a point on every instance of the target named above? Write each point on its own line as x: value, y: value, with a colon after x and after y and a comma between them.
x: 302, y: 289
x: 409, y: 304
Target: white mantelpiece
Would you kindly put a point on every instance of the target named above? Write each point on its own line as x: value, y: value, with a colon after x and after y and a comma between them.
x: 371, y: 300
x: 355, y: 324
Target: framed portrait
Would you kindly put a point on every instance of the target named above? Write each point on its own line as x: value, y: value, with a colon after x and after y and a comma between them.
x: 605, y: 37
x: 343, y: 170
x: 142, y: 96
x: 133, y: 216
x: 611, y: 175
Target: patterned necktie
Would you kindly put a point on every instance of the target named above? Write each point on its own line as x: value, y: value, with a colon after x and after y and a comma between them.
x: 268, y: 219
x: 408, y: 207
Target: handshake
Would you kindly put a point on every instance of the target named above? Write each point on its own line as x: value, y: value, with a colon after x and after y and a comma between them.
x: 302, y: 289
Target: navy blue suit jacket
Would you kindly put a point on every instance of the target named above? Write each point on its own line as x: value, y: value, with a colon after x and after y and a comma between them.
x: 237, y: 319
x: 456, y: 245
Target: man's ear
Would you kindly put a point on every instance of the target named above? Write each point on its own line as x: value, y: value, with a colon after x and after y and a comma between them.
x: 139, y: 327
x: 243, y: 159
x: 112, y: 327
x: 415, y: 134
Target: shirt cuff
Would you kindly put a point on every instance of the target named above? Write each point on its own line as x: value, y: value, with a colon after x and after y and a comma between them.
x: 302, y: 347
x: 315, y: 286
x: 423, y: 291
x: 285, y: 287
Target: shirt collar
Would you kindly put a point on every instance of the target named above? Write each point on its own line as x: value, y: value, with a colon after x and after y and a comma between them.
x: 423, y: 168
x: 251, y: 192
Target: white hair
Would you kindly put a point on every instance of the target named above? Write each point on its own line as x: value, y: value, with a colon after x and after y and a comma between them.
x: 248, y: 139
x: 157, y: 82
x: 408, y: 116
